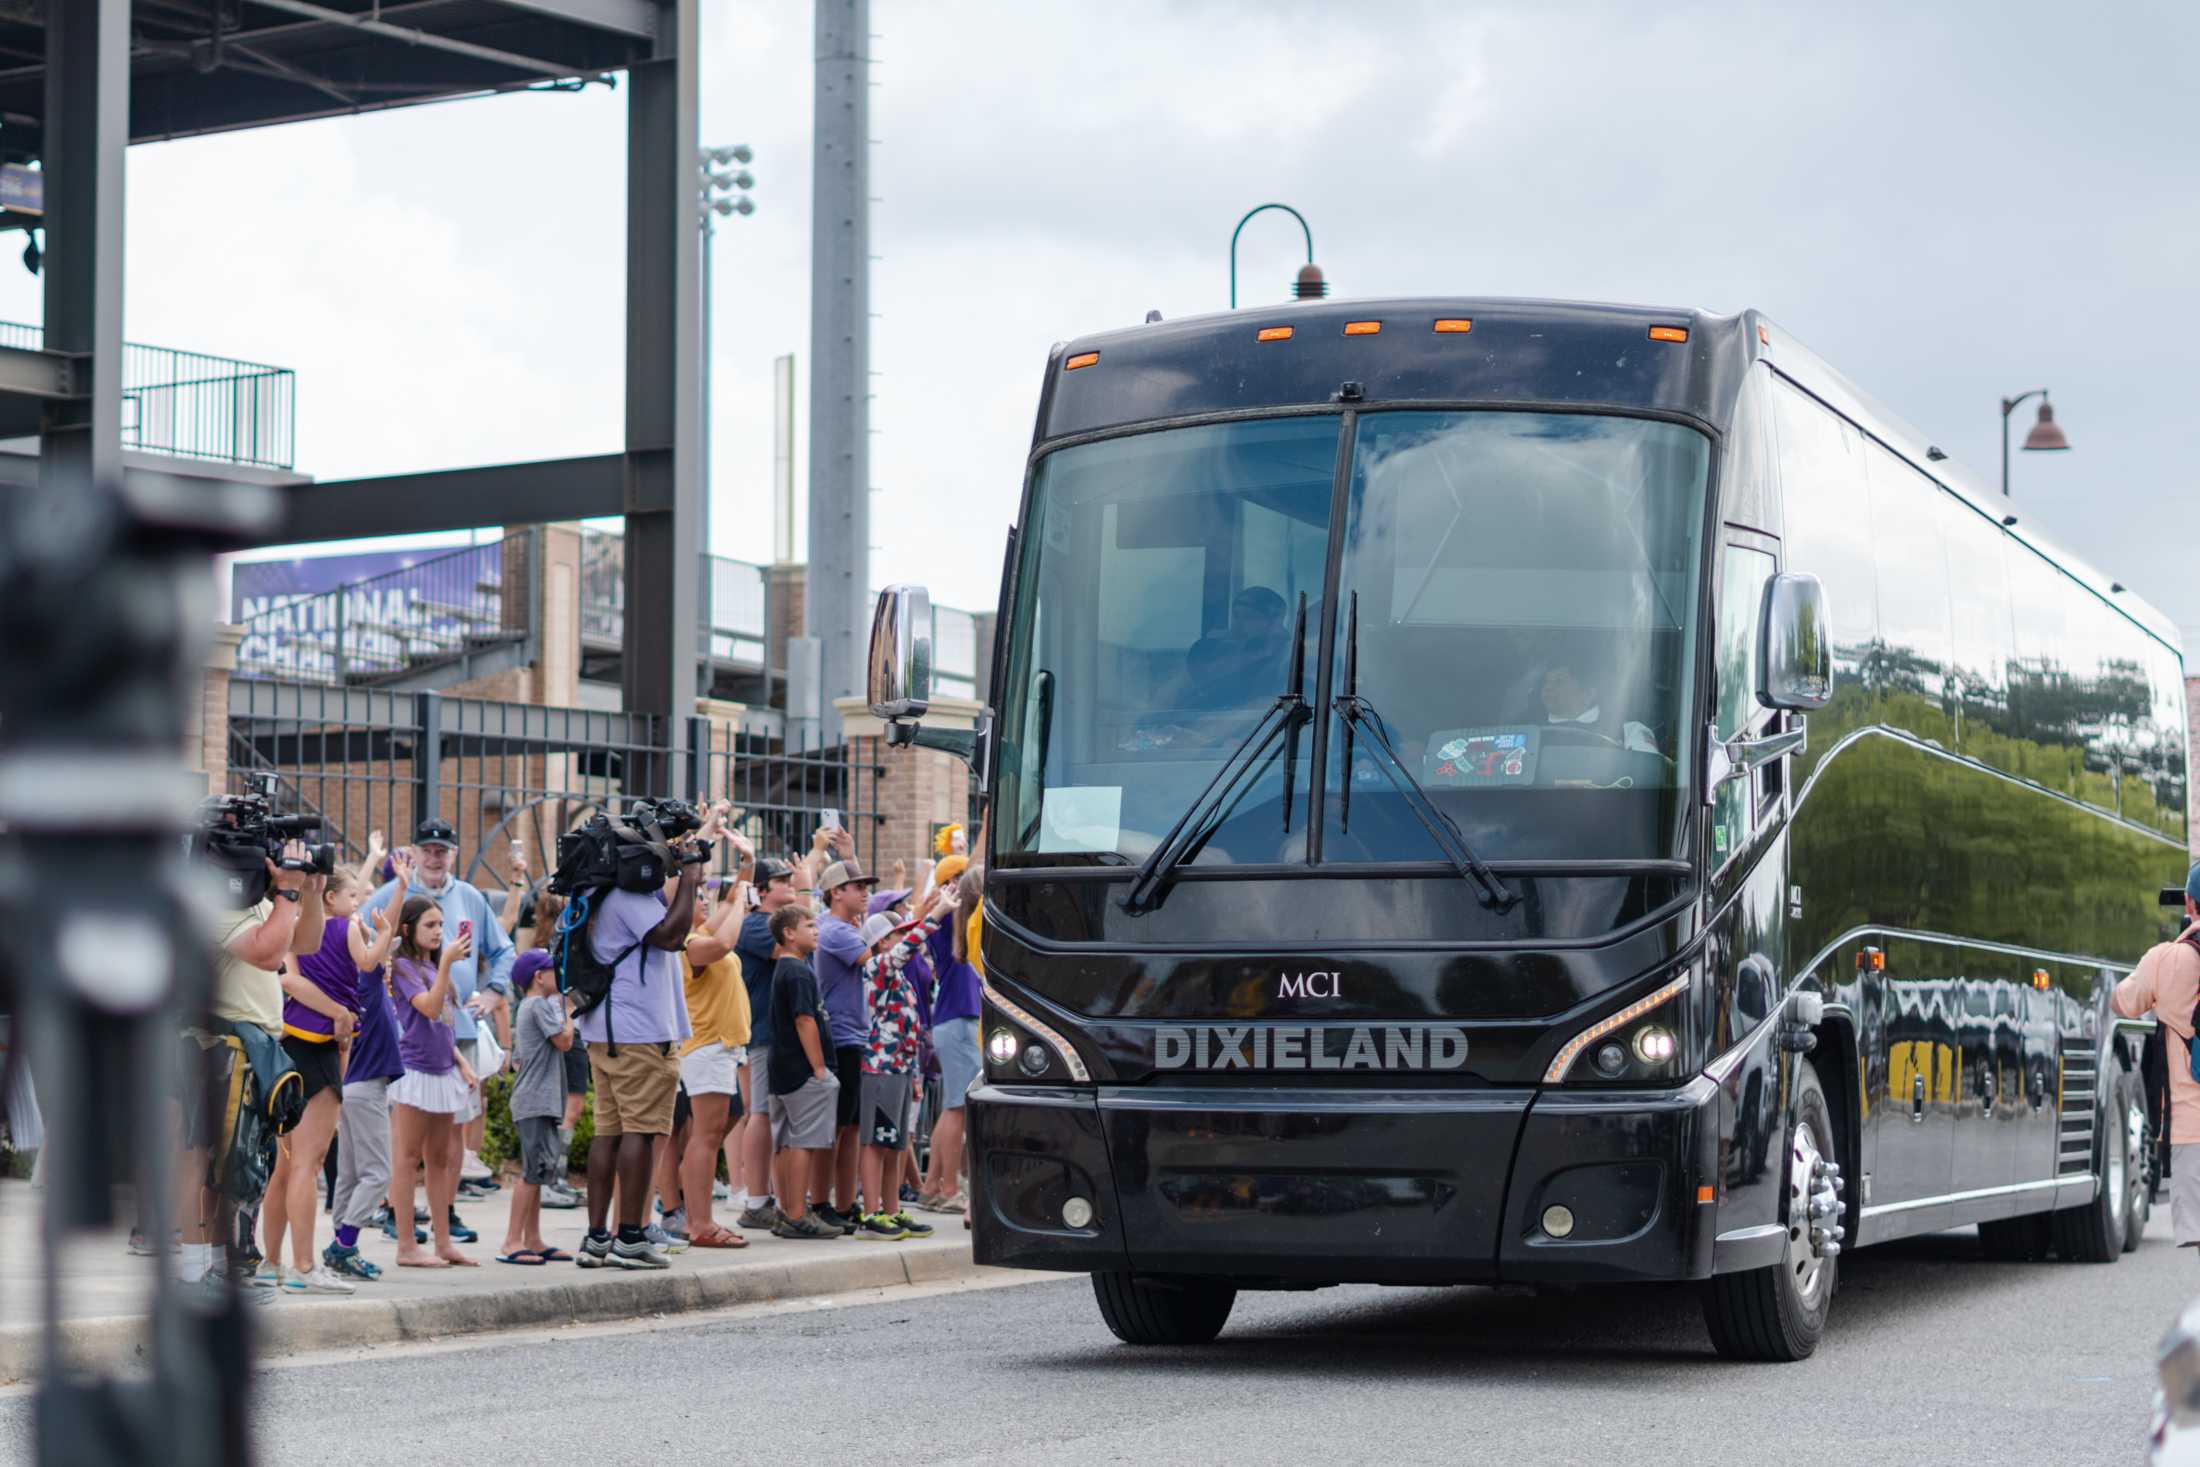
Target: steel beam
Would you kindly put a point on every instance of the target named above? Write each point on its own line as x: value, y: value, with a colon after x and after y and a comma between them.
x: 455, y: 499
x: 660, y: 666
x: 87, y: 133
x: 415, y: 36
x: 837, y: 607
x: 643, y: 18
x: 25, y: 373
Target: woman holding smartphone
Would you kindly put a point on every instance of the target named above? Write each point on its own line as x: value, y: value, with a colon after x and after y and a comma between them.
x: 437, y: 1091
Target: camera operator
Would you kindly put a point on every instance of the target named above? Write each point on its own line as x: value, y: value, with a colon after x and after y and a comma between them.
x: 2165, y: 985
x: 634, y: 1037
x: 256, y: 945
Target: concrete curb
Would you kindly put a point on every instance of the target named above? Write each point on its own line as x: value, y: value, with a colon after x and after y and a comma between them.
x: 605, y: 1296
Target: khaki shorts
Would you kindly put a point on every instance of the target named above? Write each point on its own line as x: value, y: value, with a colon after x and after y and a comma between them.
x: 635, y: 1089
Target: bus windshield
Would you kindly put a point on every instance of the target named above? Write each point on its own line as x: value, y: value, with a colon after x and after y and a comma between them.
x: 1515, y: 611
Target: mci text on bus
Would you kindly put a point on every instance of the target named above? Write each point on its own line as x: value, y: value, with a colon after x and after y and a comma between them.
x: 1526, y: 792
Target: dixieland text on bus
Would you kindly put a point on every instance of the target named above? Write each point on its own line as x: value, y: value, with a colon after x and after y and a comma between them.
x: 1309, y: 1047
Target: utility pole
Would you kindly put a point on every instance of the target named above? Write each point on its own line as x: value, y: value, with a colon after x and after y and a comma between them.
x: 837, y: 606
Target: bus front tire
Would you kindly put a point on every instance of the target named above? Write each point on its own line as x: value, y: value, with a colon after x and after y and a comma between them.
x: 1778, y: 1312
x: 2096, y: 1231
x: 1152, y: 1312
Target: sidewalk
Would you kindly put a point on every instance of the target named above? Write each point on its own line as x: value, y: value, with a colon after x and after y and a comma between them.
x: 106, y: 1290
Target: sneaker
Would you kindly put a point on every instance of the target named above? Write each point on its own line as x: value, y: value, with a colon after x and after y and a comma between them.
x: 460, y: 1233
x: 664, y: 1241
x: 824, y: 1212
x: 675, y: 1221
x: 141, y: 1248
x: 765, y: 1216
x: 910, y: 1227
x: 641, y: 1255
x: 320, y: 1281
x: 348, y: 1263
x: 951, y: 1202
x: 719, y: 1192
x: 558, y: 1195
x: 472, y: 1192
x: 267, y: 1276
x: 909, y: 1193
x: 211, y: 1292
x: 878, y: 1228
x: 389, y: 1229
x: 595, y: 1251
x: 807, y: 1228
x: 420, y: 1214
x: 473, y: 1169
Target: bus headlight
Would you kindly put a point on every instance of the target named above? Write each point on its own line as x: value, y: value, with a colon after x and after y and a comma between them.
x: 1021, y: 1046
x: 1641, y: 1044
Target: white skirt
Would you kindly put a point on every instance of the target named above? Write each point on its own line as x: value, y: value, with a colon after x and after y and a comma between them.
x: 444, y: 1095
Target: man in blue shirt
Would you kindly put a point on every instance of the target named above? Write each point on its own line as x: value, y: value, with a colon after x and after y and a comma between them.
x: 840, y: 952
x: 433, y: 873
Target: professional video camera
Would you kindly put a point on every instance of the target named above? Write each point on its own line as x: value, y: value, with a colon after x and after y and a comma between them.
x: 634, y: 851
x: 239, y: 834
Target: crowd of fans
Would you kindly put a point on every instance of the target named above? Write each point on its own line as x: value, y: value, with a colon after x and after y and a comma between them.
x: 776, y: 1025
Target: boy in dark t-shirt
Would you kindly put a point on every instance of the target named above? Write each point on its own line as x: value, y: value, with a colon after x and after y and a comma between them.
x: 805, y: 1092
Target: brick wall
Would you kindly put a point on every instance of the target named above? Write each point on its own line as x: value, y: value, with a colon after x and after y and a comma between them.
x: 206, y: 747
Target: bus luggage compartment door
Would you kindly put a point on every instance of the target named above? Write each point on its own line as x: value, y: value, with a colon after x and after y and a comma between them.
x: 1337, y: 1185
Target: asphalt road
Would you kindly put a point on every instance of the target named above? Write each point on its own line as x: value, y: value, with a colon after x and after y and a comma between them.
x: 1934, y: 1356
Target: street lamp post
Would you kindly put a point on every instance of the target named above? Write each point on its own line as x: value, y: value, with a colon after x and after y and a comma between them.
x: 2046, y: 435
x: 1310, y: 285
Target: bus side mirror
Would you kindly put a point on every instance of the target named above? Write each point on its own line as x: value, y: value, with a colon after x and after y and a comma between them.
x: 901, y: 654
x: 1794, y: 649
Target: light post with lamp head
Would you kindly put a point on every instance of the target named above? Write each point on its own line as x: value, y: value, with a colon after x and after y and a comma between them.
x: 2046, y: 435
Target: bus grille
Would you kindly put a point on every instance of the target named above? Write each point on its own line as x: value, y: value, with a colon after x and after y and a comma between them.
x: 2078, y: 1108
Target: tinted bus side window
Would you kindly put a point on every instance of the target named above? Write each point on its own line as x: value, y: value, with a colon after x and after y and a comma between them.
x: 1978, y: 677
x: 1825, y: 505
x: 2155, y: 792
x: 1909, y: 664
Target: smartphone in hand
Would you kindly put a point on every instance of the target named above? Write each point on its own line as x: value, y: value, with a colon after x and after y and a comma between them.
x: 830, y: 819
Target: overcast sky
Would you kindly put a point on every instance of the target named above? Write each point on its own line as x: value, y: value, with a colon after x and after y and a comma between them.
x: 1950, y: 202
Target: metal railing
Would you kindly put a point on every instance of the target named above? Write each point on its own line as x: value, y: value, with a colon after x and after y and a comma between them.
x: 192, y: 405
x: 512, y: 776
x: 437, y: 610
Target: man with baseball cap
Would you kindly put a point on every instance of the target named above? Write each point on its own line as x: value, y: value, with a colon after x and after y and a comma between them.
x: 430, y: 870
x: 846, y: 892
x: 2166, y: 984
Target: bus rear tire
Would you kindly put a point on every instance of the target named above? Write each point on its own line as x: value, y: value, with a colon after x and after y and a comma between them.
x: 1151, y: 1312
x: 2097, y: 1231
x: 1778, y: 1313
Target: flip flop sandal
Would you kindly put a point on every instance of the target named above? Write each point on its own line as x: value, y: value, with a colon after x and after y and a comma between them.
x: 524, y: 1257
x: 718, y: 1237
x: 556, y: 1255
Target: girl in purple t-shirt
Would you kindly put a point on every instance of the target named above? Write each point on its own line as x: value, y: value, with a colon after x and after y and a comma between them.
x: 320, y: 1012
x: 437, y: 1091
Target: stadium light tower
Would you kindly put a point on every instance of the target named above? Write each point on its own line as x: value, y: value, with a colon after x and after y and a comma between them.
x: 718, y: 195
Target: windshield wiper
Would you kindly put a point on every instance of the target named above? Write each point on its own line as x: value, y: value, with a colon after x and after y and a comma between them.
x: 1204, y: 815
x: 1358, y: 713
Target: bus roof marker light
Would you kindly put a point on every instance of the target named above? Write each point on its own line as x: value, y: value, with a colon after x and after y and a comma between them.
x: 1764, y: 337
x: 1274, y: 333
x: 1082, y: 359
x: 1454, y: 325
x: 1669, y: 333
x: 1363, y: 328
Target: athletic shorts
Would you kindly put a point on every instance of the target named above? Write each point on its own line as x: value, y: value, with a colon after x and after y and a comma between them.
x: 806, y: 1119
x: 542, y: 1159
x: 956, y: 1043
x: 884, y: 1112
x: 848, y: 1069
x: 636, y: 1089
x: 576, y: 1069
x: 714, y: 1069
x: 321, y: 1066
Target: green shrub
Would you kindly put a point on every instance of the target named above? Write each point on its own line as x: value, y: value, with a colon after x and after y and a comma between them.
x: 500, y: 1142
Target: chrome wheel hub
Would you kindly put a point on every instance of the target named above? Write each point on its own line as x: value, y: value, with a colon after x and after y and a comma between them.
x: 1814, y: 1213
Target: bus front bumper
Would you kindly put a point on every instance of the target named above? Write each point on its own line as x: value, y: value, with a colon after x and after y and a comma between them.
x: 1291, y: 1186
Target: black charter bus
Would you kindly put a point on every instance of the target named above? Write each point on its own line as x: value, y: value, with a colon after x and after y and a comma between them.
x: 1526, y: 792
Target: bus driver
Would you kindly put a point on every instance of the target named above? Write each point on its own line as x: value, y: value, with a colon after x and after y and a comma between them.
x: 1569, y: 699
